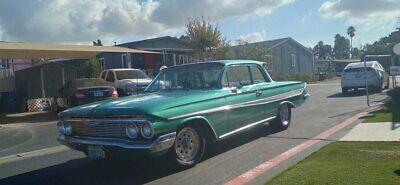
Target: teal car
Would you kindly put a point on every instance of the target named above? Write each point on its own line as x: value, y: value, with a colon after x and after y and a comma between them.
x: 182, y: 111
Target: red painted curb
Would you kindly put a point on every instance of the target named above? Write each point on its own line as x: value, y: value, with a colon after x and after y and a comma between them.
x: 267, y: 165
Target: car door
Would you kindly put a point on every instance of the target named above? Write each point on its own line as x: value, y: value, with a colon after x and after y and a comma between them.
x: 242, y: 98
x: 262, y: 82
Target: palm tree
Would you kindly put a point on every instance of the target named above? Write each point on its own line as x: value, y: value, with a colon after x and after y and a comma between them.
x: 351, y: 32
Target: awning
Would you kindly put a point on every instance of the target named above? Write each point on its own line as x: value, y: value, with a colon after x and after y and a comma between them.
x: 29, y: 50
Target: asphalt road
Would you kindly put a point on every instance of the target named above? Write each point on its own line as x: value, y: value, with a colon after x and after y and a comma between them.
x: 224, y: 161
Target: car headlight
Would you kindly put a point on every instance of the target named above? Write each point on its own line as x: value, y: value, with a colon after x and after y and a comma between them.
x: 60, y: 126
x: 67, y: 128
x: 132, y: 130
x: 64, y: 128
x: 147, y: 130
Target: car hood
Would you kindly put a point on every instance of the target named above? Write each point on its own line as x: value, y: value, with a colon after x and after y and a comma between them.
x: 162, y: 104
x: 154, y: 104
x: 136, y: 81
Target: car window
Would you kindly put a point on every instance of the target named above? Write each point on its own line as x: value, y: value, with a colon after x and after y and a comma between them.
x: 110, y: 77
x: 103, y: 75
x: 258, y: 76
x: 237, y: 76
x: 358, y: 69
x: 131, y: 74
x: 201, y: 76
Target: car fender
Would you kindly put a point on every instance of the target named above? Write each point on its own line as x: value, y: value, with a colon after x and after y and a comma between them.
x: 202, y: 118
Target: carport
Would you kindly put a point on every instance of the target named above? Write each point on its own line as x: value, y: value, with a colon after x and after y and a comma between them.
x: 39, y: 73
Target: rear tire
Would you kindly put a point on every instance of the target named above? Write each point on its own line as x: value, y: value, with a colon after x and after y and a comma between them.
x: 189, y: 147
x: 282, y: 120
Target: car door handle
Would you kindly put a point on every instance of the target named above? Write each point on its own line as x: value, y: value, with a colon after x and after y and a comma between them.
x: 258, y: 92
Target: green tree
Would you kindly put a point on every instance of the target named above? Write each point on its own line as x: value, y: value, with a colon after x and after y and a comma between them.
x: 203, y: 35
x: 384, y: 45
x: 322, y: 51
x: 341, y: 47
x: 93, y: 68
x: 351, y: 32
x: 97, y: 43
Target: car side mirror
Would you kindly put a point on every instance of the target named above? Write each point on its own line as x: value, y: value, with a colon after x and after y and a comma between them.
x: 239, y: 85
x: 234, y: 89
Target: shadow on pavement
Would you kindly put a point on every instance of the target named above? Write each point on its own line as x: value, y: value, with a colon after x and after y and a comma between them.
x: 28, y: 117
x: 90, y: 171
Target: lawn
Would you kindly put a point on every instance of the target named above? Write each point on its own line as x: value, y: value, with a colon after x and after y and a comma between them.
x: 389, y: 113
x: 347, y: 163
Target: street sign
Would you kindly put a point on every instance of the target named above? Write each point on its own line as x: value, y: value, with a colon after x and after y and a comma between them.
x: 394, y: 70
x: 396, y: 49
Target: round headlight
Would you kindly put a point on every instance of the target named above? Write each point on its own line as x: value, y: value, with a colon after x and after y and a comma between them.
x: 67, y: 128
x: 132, y: 130
x: 147, y: 130
x: 60, y: 126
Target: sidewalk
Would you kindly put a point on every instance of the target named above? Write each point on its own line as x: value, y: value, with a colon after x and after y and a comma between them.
x: 383, y: 125
x: 27, y: 117
x: 381, y: 131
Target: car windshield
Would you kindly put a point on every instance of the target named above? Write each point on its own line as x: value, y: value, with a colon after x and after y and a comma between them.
x: 199, y: 76
x: 131, y: 74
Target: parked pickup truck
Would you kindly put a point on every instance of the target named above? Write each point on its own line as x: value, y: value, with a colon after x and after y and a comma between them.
x: 126, y: 81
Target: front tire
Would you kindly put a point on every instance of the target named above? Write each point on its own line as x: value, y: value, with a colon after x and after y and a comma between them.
x: 189, y: 146
x: 282, y: 120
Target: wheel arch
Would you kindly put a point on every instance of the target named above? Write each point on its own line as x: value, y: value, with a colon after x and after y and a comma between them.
x: 204, y: 124
x: 291, y: 104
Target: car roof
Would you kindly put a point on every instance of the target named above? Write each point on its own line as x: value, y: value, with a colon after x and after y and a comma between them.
x: 222, y: 62
x: 361, y: 64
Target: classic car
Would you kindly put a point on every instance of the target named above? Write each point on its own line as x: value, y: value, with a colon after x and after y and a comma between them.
x: 182, y: 111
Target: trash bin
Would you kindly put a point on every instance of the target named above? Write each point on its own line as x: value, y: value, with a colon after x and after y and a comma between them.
x: 9, y: 102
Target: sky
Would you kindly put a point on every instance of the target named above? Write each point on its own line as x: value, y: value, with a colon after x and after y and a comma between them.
x: 307, y: 21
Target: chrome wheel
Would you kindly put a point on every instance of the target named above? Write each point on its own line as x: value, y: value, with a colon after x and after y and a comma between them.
x: 284, y: 114
x: 187, y: 144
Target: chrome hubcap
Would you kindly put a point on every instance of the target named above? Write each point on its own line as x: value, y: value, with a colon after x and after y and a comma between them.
x: 284, y: 114
x: 187, y: 144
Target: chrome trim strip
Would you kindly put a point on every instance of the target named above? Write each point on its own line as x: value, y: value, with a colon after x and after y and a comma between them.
x: 246, y: 127
x: 167, y: 140
x: 267, y: 100
x: 107, y: 120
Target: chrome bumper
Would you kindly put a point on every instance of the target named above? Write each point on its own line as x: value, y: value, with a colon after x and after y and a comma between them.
x: 161, y: 143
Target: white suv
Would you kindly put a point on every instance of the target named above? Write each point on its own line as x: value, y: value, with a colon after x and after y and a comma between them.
x: 126, y: 81
x: 353, y: 76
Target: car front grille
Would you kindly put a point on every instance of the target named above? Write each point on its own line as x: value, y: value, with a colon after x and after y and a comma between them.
x: 102, y: 129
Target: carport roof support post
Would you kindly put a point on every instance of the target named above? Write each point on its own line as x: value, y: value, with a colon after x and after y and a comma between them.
x: 42, y: 83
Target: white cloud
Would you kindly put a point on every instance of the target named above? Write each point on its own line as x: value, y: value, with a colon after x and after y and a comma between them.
x: 78, y: 21
x: 176, y: 12
x: 368, y: 13
x: 252, y: 37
